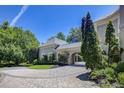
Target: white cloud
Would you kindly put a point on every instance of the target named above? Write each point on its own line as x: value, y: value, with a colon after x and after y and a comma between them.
x: 23, y: 9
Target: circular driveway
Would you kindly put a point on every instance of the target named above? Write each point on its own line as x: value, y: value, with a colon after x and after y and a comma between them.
x: 63, y: 71
x: 66, y: 76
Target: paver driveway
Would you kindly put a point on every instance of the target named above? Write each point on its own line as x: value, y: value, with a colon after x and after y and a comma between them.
x: 62, y: 77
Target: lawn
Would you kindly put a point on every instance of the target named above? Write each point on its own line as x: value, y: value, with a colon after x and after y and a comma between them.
x: 25, y: 65
x: 40, y: 66
x: 31, y: 66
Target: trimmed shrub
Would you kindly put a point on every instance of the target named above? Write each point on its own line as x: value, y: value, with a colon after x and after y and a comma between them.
x: 35, y: 62
x: 114, y: 65
x: 105, y: 84
x: 121, y: 78
x: 110, y: 74
x: 120, y: 67
x: 63, y: 58
x: 97, y: 74
x: 107, y: 73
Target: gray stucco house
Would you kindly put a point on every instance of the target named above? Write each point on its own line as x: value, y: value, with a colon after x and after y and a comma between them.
x: 58, y: 46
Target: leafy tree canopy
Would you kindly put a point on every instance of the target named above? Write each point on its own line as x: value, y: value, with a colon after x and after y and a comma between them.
x: 74, y: 35
x: 15, y: 44
x: 59, y: 35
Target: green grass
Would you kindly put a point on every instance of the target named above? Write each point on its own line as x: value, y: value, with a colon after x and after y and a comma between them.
x: 25, y: 65
x: 41, y: 66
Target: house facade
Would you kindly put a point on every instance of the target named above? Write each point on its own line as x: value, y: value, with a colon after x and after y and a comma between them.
x: 117, y: 18
x: 57, y: 46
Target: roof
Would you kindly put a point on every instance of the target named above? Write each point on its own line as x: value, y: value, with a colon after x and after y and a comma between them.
x: 72, y: 45
x: 108, y: 16
x: 55, y: 41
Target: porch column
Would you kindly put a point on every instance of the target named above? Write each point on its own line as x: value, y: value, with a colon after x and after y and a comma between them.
x: 57, y: 56
x: 76, y: 57
x: 70, y: 58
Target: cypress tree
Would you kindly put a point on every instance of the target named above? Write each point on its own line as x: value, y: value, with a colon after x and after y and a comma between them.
x: 113, y: 44
x: 90, y: 49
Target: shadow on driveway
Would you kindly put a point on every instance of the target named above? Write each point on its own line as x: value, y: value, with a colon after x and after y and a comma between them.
x: 84, y: 76
x: 77, y: 65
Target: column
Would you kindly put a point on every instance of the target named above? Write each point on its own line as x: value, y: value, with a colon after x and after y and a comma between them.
x: 57, y: 56
x: 70, y: 58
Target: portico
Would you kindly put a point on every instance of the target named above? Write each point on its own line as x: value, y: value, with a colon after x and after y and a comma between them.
x: 73, y: 50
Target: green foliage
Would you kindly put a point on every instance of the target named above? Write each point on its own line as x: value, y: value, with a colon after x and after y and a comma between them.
x: 41, y: 66
x: 46, y: 59
x: 114, y: 65
x: 74, y: 33
x: 113, y: 44
x: 60, y: 35
x: 35, y: 61
x: 110, y: 74
x: 33, y: 54
x: 90, y: 49
x: 63, y: 58
x: 5, y: 25
x: 97, y: 74
x: 120, y: 67
x: 15, y: 44
x: 110, y: 33
x: 105, y: 61
x: 105, y: 84
x: 25, y: 65
x: 121, y: 78
x: 107, y: 73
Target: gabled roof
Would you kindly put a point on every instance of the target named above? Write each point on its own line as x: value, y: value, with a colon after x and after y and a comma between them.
x: 67, y: 46
x: 55, y: 41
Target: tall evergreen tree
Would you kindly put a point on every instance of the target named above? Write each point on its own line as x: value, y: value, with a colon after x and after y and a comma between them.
x: 112, y: 42
x: 90, y: 49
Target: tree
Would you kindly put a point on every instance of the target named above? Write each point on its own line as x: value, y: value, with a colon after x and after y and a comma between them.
x: 60, y: 35
x: 90, y: 49
x: 16, y: 45
x: 5, y: 25
x: 8, y: 50
x: 112, y: 42
x: 74, y: 35
x: 51, y: 37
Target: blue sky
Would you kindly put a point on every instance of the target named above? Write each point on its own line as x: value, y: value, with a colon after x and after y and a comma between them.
x: 46, y: 21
